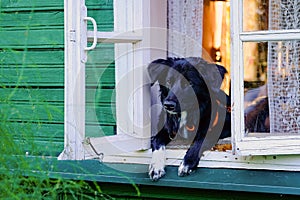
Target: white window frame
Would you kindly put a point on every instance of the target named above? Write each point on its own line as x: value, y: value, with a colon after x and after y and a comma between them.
x: 133, y: 33
x: 135, y: 48
x: 263, y: 144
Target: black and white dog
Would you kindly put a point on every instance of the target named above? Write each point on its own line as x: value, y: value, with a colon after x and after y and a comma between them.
x: 193, y: 103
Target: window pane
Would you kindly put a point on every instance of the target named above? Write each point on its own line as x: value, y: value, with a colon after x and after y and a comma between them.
x: 255, y: 83
x: 272, y: 87
x: 100, y: 91
x: 284, y: 86
x: 271, y: 15
x: 255, y: 15
x: 100, y: 74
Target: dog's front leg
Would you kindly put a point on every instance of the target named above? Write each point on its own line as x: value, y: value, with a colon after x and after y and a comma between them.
x: 190, y: 160
x: 194, y: 153
x: 157, y: 164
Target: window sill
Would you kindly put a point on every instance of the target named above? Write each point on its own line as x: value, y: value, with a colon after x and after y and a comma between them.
x: 276, y: 182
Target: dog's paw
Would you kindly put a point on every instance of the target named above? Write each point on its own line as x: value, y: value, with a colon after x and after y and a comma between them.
x: 184, y: 170
x: 156, y: 173
x: 157, y: 165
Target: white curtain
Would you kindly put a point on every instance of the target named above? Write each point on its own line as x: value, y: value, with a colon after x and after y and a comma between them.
x: 185, y: 28
x: 284, y: 69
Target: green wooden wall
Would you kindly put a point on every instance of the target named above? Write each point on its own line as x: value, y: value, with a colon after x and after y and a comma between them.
x: 32, y: 75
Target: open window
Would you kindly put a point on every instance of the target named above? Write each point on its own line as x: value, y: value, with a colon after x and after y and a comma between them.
x: 137, y: 26
x: 265, y: 78
x: 263, y: 60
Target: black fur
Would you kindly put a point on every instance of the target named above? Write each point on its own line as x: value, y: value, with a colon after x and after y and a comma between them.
x: 257, y: 116
x: 189, y: 85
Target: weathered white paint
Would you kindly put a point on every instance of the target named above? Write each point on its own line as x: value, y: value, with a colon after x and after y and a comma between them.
x: 132, y: 20
x: 274, y: 35
x: 213, y: 159
x: 237, y: 83
x: 75, y: 58
x: 260, y: 144
x: 116, y: 37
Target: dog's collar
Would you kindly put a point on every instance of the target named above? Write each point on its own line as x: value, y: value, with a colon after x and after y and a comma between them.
x: 173, y: 135
x: 228, y: 108
x: 192, y: 128
x: 215, y: 122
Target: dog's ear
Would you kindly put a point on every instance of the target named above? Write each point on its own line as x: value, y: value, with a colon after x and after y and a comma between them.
x: 222, y: 71
x: 158, y: 70
x: 213, y: 74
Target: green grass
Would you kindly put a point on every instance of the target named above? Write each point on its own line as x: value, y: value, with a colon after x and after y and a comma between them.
x: 31, y: 104
x: 15, y: 184
x: 21, y: 128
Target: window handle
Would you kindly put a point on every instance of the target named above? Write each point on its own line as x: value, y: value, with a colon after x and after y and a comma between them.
x: 94, y: 35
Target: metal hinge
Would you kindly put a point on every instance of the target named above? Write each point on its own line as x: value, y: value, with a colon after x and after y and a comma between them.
x: 72, y: 36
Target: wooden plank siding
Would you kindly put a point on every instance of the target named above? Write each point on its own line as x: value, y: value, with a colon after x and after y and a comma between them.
x: 32, y: 74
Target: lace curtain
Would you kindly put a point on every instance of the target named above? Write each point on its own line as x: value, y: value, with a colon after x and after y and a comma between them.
x: 284, y: 69
x: 185, y: 28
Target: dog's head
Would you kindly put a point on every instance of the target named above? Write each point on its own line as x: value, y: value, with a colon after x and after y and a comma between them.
x: 185, y: 82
